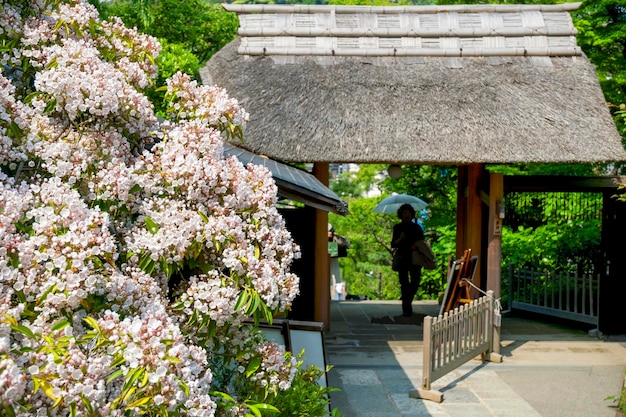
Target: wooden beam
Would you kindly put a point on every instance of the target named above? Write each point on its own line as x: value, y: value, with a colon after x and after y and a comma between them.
x: 474, y: 226
x: 321, y: 295
x: 556, y: 183
x: 461, y: 210
x: 494, y: 246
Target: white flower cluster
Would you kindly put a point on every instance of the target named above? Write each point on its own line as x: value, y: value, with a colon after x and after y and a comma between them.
x: 275, y: 373
x: 117, y: 230
x: 208, y: 103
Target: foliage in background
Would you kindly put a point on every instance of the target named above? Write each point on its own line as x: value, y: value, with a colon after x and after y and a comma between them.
x: 561, y: 241
x: 173, y: 58
x: 570, y: 246
x: 305, y: 397
x: 602, y: 30
x: 190, y: 32
x: 435, y: 184
x: 201, y: 27
x: 550, y: 169
x: 367, y: 268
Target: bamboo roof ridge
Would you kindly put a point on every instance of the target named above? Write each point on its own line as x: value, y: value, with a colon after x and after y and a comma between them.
x: 416, y: 84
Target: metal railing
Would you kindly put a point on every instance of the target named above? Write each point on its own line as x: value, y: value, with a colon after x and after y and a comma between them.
x: 452, y: 339
x: 559, y: 294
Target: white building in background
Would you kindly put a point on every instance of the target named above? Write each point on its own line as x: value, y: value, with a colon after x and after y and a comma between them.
x: 338, y: 169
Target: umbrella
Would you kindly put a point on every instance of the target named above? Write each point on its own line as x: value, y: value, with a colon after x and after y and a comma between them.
x: 390, y: 205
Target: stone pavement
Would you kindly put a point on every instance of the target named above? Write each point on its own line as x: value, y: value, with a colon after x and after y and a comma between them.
x: 548, y: 370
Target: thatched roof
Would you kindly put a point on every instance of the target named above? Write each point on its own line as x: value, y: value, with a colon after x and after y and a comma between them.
x: 419, y: 84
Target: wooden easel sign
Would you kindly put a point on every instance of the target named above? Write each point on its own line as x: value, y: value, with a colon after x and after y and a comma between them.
x: 457, y: 290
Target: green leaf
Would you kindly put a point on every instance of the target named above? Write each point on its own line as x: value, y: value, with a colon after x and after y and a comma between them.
x: 223, y: 396
x: 86, y: 403
x: 172, y: 359
x: 267, y: 407
x: 212, y: 328
x: 167, y: 268
x: 133, y: 376
x: 147, y: 264
x: 45, y: 386
x: 52, y: 64
x: 254, y: 303
x: 139, y: 402
x: 114, y: 375
x: 45, y: 294
x: 255, y: 411
x: 144, y: 380
x: 253, y: 366
x: 57, y: 402
x: 60, y: 325
x: 16, y: 131
x: 151, y: 226
x: 91, y: 322
x: 128, y: 393
x: 267, y: 313
x: 203, y: 216
x: 8, y: 411
x: 243, y: 300
x: 24, y: 330
x: 29, y: 98
x: 184, y: 387
x: 50, y: 106
x: 10, y: 320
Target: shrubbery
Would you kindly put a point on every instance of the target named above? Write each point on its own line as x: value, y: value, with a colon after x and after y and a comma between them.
x: 135, y: 259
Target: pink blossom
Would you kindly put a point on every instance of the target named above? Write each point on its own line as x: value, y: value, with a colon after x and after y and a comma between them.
x: 124, y: 238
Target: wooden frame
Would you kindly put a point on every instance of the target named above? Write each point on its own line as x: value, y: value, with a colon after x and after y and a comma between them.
x: 298, y: 335
x: 457, y: 291
x: 454, y: 276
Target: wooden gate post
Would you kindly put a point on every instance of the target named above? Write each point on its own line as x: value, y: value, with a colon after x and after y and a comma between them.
x: 496, y: 215
x: 321, y: 296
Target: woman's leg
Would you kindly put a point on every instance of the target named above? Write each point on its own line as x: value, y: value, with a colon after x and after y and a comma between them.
x: 405, y: 290
x: 414, y: 284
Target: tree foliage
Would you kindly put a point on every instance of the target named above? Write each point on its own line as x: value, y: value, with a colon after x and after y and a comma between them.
x: 367, y: 268
x: 435, y: 184
x: 190, y: 32
x: 602, y: 35
x: 199, y: 26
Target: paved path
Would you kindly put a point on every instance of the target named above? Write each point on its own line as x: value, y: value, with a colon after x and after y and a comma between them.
x: 548, y: 370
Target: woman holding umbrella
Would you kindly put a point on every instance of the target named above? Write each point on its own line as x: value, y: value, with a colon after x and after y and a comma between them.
x: 405, y: 234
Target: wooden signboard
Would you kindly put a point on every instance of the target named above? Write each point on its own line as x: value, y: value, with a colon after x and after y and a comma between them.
x: 457, y: 289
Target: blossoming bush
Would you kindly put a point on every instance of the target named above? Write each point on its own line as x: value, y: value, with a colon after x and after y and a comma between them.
x: 132, y: 252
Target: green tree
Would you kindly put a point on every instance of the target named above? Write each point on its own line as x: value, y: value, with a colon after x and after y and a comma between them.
x: 435, y: 184
x: 602, y: 36
x: 200, y: 26
x: 367, y: 268
x: 190, y: 32
x: 357, y: 183
x: 369, y: 256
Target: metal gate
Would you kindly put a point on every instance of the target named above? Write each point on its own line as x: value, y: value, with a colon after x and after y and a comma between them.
x: 558, y: 294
